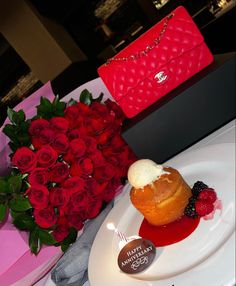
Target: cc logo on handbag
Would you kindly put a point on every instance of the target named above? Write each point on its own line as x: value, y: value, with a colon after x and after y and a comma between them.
x: 160, y: 77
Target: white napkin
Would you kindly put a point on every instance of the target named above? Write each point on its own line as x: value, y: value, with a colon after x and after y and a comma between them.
x: 72, y: 268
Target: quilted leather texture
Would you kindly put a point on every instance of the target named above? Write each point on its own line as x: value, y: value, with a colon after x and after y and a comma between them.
x: 181, y: 53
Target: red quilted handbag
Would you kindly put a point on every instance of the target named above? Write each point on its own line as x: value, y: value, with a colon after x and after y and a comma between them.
x: 162, y: 58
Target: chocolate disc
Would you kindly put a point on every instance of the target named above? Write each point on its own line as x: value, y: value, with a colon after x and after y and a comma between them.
x: 136, y: 256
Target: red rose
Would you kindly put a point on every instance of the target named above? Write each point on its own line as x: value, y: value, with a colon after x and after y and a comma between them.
x: 90, y: 143
x: 83, y: 130
x: 86, y: 166
x: 105, y: 172
x: 95, y: 124
x: 83, y: 167
x: 93, y: 188
x: 45, y: 137
x: 60, y: 143
x: 45, y: 218
x: 38, y: 196
x: 75, y: 220
x: 105, y: 137
x: 73, y: 134
x: 69, y: 157
x: 72, y: 114
x: 79, y: 201
x: 115, y: 109
x: 100, y: 109
x: 59, y: 196
x: 117, y: 142
x: 46, y: 156
x: 83, y: 108
x: 59, y: 124
x: 76, y: 170
x: 74, y: 184
x: 111, y: 189
x: 97, y: 158
x: 24, y: 159
x: 59, y: 172
x: 37, y: 126
x: 94, y: 207
x: 61, y: 232
x: 108, y: 195
x: 77, y: 147
x: 39, y: 176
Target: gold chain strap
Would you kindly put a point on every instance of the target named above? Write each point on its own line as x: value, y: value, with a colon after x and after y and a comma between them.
x: 148, y: 48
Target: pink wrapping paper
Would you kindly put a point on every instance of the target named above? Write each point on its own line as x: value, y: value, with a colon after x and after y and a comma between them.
x: 17, y: 265
x: 17, y: 261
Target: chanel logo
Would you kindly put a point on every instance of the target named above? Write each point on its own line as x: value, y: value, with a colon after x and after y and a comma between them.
x: 161, y: 76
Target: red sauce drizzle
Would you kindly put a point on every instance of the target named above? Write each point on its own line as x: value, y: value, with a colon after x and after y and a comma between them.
x: 169, y: 233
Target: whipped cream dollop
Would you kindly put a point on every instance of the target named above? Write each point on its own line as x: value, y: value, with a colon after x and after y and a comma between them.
x: 144, y: 172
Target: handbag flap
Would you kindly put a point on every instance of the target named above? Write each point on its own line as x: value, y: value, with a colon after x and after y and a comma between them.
x: 181, y: 35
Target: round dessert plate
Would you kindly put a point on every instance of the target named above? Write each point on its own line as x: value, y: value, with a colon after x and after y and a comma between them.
x: 206, y: 257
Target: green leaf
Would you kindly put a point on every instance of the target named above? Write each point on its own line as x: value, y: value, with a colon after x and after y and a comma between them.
x: 34, y: 241
x: 45, y: 102
x: 9, y: 130
x: 24, y: 126
x: 86, y: 97
x: 99, y: 98
x: 46, y: 237
x: 14, y: 184
x: 3, y: 198
x: 16, y: 117
x: 19, y: 117
x: 10, y: 114
x: 69, y: 239
x: 24, y: 222
x: 48, y: 109
x: 24, y: 139
x: 58, y: 106
x: 71, y: 102
x: 20, y: 204
x: 44, y: 109
x: 13, y: 146
x: 15, y: 214
x: 3, y: 211
x: 3, y: 186
x: 18, y: 133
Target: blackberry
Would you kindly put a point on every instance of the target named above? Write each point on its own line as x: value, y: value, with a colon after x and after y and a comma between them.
x: 192, y: 200
x: 198, y: 187
x: 190, y: 210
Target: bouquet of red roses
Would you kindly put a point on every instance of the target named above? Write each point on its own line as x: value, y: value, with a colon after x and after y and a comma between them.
x: 67, y: 163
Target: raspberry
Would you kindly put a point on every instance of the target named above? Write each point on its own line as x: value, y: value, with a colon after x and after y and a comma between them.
x: 198, y: 187
x: 203, y: 207
x: 208, y: 194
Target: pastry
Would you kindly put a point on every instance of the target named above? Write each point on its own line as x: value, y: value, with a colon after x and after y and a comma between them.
x: 159, y: 193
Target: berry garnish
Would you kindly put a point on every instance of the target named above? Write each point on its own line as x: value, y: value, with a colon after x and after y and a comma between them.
x: 192, y: 200
x: 190, y: 210
x: 201, y: 202
x: 198, y: 187
x: 203, y: 207
x: 208, y: 194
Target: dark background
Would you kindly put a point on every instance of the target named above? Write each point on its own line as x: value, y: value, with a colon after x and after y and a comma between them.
x: 78, y: 19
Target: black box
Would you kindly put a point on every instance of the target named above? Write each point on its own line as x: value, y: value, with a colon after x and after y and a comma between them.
x: 192, y: 111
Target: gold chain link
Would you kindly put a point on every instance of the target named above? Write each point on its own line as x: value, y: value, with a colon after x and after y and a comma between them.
x: 148, y: 48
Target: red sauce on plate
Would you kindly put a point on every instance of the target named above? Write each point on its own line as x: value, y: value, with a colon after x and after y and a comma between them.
x: 169, y: 233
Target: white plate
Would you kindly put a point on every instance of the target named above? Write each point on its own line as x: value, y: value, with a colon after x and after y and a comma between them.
x: 206, y: 257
